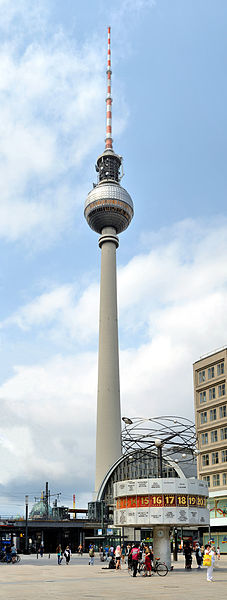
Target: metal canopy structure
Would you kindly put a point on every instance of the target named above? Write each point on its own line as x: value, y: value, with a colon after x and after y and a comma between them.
x: 175, y: 435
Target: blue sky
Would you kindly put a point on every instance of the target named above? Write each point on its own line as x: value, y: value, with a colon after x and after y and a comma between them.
x: 169, y: 123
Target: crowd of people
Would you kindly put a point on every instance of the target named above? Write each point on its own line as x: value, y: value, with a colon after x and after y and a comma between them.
x: 129, y: 555
x: 205, y: 556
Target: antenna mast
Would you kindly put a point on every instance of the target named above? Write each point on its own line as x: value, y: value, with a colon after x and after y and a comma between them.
x: 109, y: 140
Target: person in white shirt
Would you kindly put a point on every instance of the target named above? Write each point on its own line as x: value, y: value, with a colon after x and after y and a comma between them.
x: 211, y: 553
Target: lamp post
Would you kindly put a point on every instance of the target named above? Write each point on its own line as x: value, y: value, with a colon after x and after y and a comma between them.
x: 159, y: 444
x: 209, y: 534
x: 26, y: 524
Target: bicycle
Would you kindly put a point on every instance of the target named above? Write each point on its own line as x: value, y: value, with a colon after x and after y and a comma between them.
x: 160, y: 568
x: 11, y: 559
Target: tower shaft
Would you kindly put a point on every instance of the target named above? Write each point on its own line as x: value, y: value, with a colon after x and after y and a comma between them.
x: 108, y: 430
x: 108, y: 211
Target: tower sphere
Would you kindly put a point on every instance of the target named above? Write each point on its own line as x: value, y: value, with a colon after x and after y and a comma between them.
x: 108, y: 204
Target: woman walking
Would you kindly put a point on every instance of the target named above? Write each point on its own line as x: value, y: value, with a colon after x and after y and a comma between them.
x: 208, y: 561
x: 118, y: 557
x: 148, y: 561
x: 59, y: 553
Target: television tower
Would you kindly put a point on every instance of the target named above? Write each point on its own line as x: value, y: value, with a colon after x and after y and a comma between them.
x: 108, y: 211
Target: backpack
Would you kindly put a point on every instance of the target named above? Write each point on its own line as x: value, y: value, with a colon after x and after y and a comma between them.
x: 91, y: 552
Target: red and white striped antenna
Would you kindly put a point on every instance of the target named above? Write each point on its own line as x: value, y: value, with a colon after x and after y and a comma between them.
x: 109, y: 140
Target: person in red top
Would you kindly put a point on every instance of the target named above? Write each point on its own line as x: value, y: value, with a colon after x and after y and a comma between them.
x: 148, y: 561
x: 135, y: 553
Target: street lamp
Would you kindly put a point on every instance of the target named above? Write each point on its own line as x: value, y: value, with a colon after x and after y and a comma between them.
x: 208, y: 506
x: 127, y: 421
x: 158, y: 443
x: 26, y: 524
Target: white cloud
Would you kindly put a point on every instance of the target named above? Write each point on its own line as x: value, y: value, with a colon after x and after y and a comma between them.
x: 52, y: 95
x: 61, y: 314
x: 48, y: 415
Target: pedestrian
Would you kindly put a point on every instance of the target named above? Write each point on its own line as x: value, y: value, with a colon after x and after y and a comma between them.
x: 148, y: 561
x: 118, y: 557
x: 135, y: 557
x: 208, y: 561
x: 13, y: 553
x: 188, y: 555
x: 129, y: 555
x: 218, y: 553
x: 8, y: 554
x: 67, y: 555
x: 123, y: 551
x: 41, y: 550
x: 91, y: 555
x: 59, y: 553
x: 198, y: 555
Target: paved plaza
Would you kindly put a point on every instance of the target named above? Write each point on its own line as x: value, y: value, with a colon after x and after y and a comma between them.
x: 43, y: 578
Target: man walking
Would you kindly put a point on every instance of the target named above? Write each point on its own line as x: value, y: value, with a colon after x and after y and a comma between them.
x: 135, y: 557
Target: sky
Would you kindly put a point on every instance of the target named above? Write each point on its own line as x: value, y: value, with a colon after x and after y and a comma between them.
x: 169, y: 88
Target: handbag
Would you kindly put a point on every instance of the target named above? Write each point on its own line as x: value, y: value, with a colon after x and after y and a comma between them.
x: 207, y: 560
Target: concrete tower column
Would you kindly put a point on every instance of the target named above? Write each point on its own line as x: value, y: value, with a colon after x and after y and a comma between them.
x: 108, y: 430
x: 108, y: 211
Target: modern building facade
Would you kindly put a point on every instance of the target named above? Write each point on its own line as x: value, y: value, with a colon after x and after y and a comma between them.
x: 108, y: 211
x: 210, y: 398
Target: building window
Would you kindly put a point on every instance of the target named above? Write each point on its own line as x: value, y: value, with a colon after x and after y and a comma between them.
x: 211, y: 373
x: 224, y: 433
x: 216, y: 480
x: 207, y: 479
x: 212, y: 393
x: 224, y: 456
x: 222, y: 411
x: 215, y: 458
x: 220, y: 368
x: 205, y: 460
x: 201, y: 376
x: 203, y: 417
x: 213, y: 414
x: 214, y: 436
x: 221, y: 389
x: 224, y: 478
x: 204, y: 438
x: 202, y: 397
